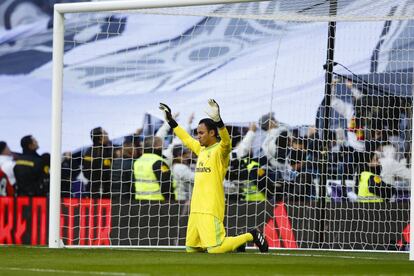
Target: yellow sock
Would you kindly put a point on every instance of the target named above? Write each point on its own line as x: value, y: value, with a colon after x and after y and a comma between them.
x: 231, y: 243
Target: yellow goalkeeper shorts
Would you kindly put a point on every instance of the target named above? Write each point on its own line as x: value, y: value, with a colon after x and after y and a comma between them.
x: 204, y: 231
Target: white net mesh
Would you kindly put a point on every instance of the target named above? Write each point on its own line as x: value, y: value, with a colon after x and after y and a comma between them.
x: 312, y: 166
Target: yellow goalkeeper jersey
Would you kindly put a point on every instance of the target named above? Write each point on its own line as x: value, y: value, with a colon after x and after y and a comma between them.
x: 212, y: 164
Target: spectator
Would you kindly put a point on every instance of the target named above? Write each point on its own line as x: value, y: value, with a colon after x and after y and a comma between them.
x: 254, y: 187
x: 299, y: 180
x: 392, y: 168
x: 266, y: 123
x: 7, y: 178
x: 236, y: 175
x: 122, y: 170
x: 182, y: 174
x: 29, y: 169
x: 273, y: 146
x: 244, y: 148
x: 71, y: 185
x: 7, y: 162
x: 6, y: 189
x: 152, y: 173
x: 347, y: 110
x: 46, y: 172
x: 371, y: 188
x: 97, y: 163
x: 245, y: 171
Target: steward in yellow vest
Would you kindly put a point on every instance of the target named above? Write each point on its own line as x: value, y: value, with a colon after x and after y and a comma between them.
x: 250, y: 190
x: 372, y: 189
x: 152, y: 174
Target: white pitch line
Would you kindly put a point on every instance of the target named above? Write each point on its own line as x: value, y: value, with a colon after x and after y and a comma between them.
x: 276, y: 254
x: 72, y: 271
x: 325, y: 256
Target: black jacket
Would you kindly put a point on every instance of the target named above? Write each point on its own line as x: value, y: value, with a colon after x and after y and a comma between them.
x: 30, y: 172
x: 122, y: 178
x: 96, y: 167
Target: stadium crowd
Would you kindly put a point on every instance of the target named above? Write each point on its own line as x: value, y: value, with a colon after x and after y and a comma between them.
x: 363, y: 160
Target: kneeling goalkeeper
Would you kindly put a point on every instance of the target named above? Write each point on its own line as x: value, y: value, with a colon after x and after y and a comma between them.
x: 205, y: 229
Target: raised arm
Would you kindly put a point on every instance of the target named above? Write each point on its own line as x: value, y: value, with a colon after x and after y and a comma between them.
x: 225, y: 143
x: 165, y: 128
x: 245, y: 146
x: 214, y: 114
x: 186, y: 138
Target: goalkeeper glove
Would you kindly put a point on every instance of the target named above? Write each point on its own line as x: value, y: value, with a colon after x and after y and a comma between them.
x: 214, y: 113
x: 167, y: 115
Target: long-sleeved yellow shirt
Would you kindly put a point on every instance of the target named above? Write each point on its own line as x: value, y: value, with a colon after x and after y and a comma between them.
x: 212, y: 164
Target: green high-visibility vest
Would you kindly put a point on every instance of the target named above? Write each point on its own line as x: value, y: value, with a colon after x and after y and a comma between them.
x: 364, y: 195
x: 250, y: 190
x: 147, y: 186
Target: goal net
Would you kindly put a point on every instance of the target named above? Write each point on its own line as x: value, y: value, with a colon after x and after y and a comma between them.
x: 316, y: 95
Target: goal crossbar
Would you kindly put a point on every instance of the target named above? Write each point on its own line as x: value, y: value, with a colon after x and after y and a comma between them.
x: 134, y: 5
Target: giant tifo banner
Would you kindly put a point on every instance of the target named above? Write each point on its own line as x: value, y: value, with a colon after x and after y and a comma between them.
x: 376, y: 226
x: 182, y: 61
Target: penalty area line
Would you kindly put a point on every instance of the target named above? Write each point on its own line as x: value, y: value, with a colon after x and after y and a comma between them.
x: 72, y: 271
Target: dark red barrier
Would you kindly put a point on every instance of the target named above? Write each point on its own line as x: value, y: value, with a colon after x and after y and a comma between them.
x: 24, y: 220
x: 6, y: 220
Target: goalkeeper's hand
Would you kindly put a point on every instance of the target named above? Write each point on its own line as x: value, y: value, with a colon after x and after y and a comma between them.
x: 167, y: 115
x: 213, y: 111
x: 167, y: 112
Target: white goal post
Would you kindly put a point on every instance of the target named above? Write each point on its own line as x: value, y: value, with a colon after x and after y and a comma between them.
x: 361, y: 116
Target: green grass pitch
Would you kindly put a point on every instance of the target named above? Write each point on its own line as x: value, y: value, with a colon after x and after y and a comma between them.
x: 16, y: 260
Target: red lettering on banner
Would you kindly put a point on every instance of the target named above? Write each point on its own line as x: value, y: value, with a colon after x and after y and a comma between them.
x: 104, y: 222
x: 94, y: 221
x: 284, y: 226
x: 91, y: 222
x: 280, y: 223
x: 405, y: 237
x: 39, y: 209
x: 71, y: 204
x: 63, y: 226
x: 406, y: 234
x: 86, y: 207
x: 271, y: 234
x: 6, y: 220
x: 21, y: 223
